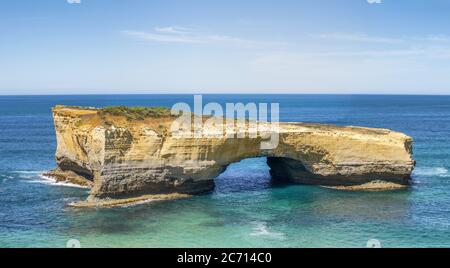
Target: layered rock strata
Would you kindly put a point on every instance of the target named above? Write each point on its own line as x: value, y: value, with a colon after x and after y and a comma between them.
x: 123, y: 158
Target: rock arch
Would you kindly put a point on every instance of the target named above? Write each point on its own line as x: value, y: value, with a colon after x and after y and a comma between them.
x: 128, y: 158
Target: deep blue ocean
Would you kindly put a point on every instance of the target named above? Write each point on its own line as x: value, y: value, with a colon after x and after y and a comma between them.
x: 246, y: 209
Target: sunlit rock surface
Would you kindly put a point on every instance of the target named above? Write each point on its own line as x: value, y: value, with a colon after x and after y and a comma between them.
x: 124, y: 158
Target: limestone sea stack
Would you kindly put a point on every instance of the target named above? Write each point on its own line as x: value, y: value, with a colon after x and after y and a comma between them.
x: 131, y: 154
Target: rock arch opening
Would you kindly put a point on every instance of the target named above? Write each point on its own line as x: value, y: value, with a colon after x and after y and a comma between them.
x: 257, y: 173
x: 250, y: 174
x: 289, y: 170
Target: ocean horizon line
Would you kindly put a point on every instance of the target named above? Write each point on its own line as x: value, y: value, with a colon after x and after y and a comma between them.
x: 219, y: 94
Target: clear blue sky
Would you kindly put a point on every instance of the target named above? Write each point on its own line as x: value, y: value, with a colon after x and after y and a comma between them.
x: 143, y: 46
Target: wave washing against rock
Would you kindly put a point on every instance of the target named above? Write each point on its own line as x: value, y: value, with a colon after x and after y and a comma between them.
x: 90, y: 203
x: 138, y: 203
x: 34, y: 176
x: 27, y: 174
x: 431, y: 171
x: 53, y: 182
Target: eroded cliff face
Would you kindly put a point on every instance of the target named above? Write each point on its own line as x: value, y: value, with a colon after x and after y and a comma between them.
x: 123, y: 158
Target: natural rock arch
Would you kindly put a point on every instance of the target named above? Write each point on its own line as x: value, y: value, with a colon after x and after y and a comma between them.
x: 127, y: 158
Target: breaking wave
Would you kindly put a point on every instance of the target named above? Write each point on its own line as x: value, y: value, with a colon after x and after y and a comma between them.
x: 26, y: 174
x: 50, y: 181
x: 38, y: 177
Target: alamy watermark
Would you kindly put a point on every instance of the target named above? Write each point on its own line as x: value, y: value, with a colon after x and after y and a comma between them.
x: 374, y: 243
x: 234, y: 121
x: 371, y: 243
x: 73, y: 243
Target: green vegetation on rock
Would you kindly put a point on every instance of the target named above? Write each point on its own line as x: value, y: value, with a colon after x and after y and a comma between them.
x: 137, y: 113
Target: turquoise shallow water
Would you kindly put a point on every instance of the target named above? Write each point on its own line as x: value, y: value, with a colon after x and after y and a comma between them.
x: 246, y: 209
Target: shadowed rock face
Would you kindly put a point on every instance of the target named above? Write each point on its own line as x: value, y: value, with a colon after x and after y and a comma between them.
x: 123, y: 157
x: 291, y: 170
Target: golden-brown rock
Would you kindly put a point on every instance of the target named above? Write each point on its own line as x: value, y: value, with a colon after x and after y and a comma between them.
x: 128, y: 158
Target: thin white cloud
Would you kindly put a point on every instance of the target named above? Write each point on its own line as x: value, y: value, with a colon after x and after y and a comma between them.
x: 419, y: 53
x: 435, y: 38
x: 332, y: 70
x: 357, y: 37
x: 365, y: 38
x: 373, y: 53
x: 163, y: 38
x: 374, y: 1
x: 173, y: 30
x: 175, y: 34
x: 436, y: 46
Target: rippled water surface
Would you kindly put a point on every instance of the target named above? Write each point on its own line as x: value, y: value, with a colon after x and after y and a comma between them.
x: 246, y: 209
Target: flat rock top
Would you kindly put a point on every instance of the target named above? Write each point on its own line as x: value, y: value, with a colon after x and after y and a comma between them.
x: 284, y: 127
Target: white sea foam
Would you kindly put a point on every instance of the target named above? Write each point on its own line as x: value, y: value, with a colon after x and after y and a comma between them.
x: 49, y: 181
x: 261, y: 230
x: 25, y: 174
x: 52, y: 181
x: 36, y: 176
x: 137, y: 203
x: 432, y: 171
